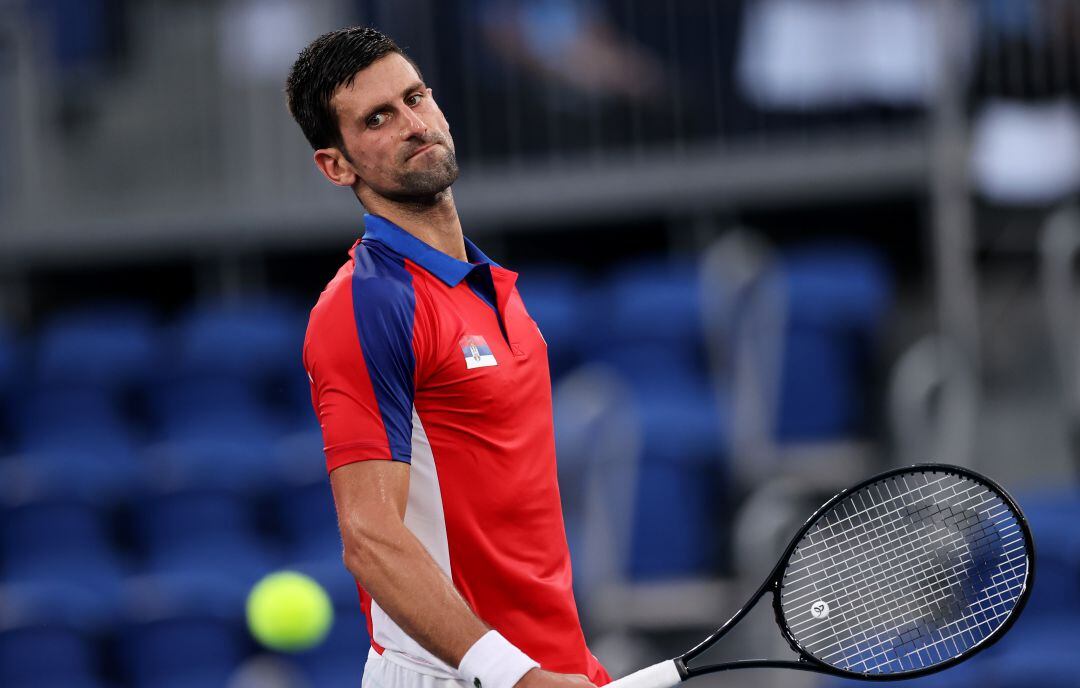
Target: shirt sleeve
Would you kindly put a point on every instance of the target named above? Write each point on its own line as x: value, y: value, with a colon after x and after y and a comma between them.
x: 359, y: 356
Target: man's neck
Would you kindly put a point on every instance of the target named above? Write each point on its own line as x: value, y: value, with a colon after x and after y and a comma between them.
x: 436, y: 224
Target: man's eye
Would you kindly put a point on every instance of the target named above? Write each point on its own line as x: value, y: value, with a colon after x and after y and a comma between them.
x: 376, y: 120
x: 414, y: 99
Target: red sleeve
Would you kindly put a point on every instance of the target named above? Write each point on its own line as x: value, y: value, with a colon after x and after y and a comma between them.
x: 358, y: 356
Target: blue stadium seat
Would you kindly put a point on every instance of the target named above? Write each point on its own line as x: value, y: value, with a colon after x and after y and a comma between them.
x: 966, y: 675
x: 188, y: 648
x: 76, y: 441
x: 208, y: 406
x: 339, y: 661
x: 555, y: 298
x: 684, y: 419
x: 63, y: 542
x: 682, y: 479
x: 648, y: 325
x: 1034, y: 658
x: 308, y: 519
x: 10, y: 356
x: 1053, y: 518
x: 204, y: 532
x: 651, y: 303
x: 108, y: 346
x: 48, y: 652
x: 251, y: 339
x: 215, y: 432
x: 71, y: 603
x: 837, y: 297
x: 296, y: 389
x: 598, y: 443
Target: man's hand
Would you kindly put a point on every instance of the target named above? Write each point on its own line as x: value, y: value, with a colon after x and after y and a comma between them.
x: 538, y: 678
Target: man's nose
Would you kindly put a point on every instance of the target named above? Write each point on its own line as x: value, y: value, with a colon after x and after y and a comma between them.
x: 412, y: 124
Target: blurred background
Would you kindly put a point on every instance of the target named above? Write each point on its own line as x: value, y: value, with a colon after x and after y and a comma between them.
x: 775, y: 246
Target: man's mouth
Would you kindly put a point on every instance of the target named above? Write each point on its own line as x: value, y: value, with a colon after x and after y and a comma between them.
x: 420, y: 150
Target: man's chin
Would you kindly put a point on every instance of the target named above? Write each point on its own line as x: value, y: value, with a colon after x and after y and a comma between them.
x: 427, y: 183
x: 422, y: 192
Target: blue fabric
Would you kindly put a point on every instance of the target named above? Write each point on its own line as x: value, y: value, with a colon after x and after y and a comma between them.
x: 384, y: 305
x: 481, y: 284
x: 450, y: 270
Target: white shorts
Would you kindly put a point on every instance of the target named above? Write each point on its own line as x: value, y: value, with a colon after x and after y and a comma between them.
x: 380, y: 672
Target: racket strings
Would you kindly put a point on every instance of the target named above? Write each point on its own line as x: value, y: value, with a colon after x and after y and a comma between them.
x: 941, y: 604
x: 927, y: 604
x: 930, y: 602
x: 891, y: 570
x: 854, y: 566
x: 905, y: 573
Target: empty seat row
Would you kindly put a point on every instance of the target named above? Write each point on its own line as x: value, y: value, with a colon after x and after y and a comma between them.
x: 175, y: 634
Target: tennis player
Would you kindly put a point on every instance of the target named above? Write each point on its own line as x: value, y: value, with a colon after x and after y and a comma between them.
x: 431, y: 384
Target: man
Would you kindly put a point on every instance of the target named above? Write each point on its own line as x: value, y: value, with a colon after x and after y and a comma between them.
x: 431, y: 385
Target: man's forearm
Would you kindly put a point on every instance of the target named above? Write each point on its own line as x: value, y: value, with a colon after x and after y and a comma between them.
x: 401, y: 576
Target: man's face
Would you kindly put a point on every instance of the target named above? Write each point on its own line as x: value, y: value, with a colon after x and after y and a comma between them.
x: 394, y: 134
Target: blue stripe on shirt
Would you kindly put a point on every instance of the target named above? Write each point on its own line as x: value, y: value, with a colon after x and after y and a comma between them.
x: 384, y: 305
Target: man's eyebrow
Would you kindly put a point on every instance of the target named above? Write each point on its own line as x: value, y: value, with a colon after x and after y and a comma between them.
x: 413, y: 88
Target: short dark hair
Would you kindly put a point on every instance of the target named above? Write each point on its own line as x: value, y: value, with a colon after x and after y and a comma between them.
x: 329, y: 62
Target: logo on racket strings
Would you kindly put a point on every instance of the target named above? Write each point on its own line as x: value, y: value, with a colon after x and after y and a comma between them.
x: 820, y: 609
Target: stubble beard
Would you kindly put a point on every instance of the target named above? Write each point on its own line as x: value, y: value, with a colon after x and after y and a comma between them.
x: 426, y: 186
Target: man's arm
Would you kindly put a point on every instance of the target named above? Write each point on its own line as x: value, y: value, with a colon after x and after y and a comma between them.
x: 395, y: 569
x: 393, y: 566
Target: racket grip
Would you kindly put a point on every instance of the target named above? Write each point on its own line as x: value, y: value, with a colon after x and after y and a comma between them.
x: 662, y: 675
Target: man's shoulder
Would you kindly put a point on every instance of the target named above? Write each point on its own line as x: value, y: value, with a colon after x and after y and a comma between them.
x: 374, y: 278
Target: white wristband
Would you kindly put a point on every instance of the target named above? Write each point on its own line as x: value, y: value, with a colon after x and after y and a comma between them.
x: 492, y: 662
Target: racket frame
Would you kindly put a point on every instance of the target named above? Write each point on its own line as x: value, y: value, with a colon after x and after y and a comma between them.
x: 806, y: 661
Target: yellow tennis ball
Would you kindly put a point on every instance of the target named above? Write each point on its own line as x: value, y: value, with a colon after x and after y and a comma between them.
x: 289, y: 612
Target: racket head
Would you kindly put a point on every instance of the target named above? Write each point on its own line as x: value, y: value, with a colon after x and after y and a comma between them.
x: 908, y: 573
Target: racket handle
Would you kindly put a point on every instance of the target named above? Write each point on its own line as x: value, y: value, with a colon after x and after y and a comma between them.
x: 662, y: 675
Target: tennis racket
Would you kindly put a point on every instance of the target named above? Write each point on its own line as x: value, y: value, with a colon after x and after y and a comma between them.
x: 902, y: 575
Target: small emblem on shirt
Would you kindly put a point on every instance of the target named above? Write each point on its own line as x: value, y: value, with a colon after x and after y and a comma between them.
x: 477, y: 352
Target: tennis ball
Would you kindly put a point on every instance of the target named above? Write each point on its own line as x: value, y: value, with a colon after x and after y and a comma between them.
x: 289, y: 612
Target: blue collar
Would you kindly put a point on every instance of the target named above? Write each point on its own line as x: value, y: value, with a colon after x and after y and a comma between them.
x: 448, y: 269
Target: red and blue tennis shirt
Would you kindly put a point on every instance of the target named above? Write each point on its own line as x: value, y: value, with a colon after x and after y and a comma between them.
x: 418, y: 357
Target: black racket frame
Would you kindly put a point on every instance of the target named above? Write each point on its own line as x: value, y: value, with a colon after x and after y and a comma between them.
x: 806, y: 661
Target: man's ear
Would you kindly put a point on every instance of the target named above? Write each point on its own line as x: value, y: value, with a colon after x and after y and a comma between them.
x: 335, y: 167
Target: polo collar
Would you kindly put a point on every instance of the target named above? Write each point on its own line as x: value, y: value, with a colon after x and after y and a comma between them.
x: 447, y: 268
